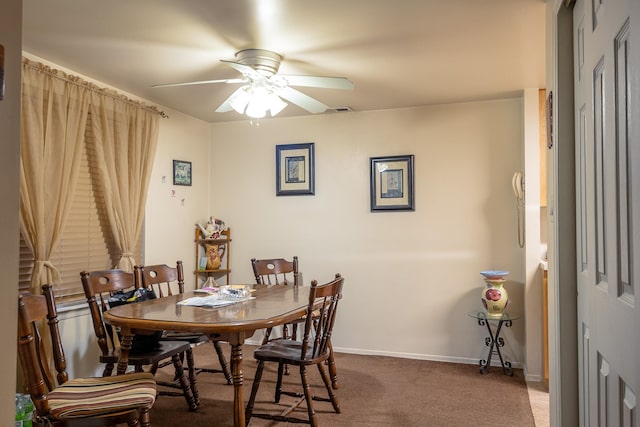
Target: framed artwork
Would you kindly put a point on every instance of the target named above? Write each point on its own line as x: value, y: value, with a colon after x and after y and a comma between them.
x: 392, y: 183
x: 295, y: 169
x: 181, y: 172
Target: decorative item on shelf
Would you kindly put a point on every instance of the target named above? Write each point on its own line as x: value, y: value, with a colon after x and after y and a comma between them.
x: 214, y: 252
x: 494, y: 295
x: 210, y: 283
x: 212, y: 229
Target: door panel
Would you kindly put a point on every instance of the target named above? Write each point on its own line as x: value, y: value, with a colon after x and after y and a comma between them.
x: 607, y: 55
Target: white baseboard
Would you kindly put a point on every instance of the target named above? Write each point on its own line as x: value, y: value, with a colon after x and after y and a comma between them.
x: 420, y: 356
x: 495, y: 362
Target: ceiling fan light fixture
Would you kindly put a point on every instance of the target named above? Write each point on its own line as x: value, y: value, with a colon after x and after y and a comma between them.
x: 255, y: 112
x: 259, y: 103
x: 240, y: 99
x: 276, y: 104
x: 262, y: 100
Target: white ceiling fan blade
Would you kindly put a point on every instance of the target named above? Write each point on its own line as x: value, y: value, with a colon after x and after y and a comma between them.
x: 246, y: 70
x: 302, y: 100
x: 318, y: 81
x: 203, y: 82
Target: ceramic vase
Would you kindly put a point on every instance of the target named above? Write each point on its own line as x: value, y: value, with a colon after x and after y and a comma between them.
x: 494, y: 297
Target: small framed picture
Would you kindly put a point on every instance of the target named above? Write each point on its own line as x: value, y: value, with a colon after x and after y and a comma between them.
x: 295, y: 169
x: 392, y: 183
x: 181, y: 172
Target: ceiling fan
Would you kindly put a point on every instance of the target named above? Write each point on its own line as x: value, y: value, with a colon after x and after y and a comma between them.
x: 264, y: 89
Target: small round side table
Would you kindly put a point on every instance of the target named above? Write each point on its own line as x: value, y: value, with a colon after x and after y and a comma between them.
x: 494, y: 341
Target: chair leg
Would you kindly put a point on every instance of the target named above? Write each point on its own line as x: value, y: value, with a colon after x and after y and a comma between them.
x: 331, y: 362
x: 254, y: 391
x: 285, y: 335
x: 267, y: 334
x: 153, y: 369
x: 184, y: 384
x: 145, y: 420
x: 279, y: 382
x: 223, y: 362
x: 192, y: 376
x: 308, y: 396
x: 108, y: 370
x: 332, y: 397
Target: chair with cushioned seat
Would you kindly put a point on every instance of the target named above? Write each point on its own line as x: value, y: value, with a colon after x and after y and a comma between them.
x: 98, y: 287
x: 313, y: 349
x: 165, y: 280
x: 103, y: 401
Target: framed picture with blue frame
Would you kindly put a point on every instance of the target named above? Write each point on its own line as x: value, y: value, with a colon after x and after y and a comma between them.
x: 392, y: 183
x: 295, y: 169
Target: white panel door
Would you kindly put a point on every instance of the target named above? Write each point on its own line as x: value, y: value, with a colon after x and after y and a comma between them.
x: 607, y: 116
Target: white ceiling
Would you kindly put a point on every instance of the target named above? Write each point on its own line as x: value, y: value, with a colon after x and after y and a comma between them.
x: 398, y: 53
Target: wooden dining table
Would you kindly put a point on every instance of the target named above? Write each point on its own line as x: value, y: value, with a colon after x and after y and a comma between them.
x: 271, y: 306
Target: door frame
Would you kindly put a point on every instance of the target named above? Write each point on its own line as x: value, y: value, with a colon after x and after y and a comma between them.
x: 562, y: 275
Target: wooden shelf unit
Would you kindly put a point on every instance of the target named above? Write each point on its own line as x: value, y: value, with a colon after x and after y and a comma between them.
x: 202, y: 275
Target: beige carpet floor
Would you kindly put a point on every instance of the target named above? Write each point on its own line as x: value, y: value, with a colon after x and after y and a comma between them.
x: 375, y: 391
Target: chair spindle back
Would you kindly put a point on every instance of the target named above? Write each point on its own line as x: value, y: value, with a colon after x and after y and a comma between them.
x: 276, y: 271
x: 161, y: 278
x: 321, y: 316
x: 98, y: 287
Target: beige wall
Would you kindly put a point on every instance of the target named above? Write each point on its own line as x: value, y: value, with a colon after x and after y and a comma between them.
x: 10, y: 38
x: 172, y: 211
x: 411, y: 277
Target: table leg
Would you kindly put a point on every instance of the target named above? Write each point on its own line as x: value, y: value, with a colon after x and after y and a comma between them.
x: 506, y: 366
x: 236, y: 373
x: 490, y: 342
x: 494, y: 342
x: 125, y: 347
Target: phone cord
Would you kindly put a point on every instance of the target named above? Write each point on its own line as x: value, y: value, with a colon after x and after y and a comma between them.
x: 520, y: 225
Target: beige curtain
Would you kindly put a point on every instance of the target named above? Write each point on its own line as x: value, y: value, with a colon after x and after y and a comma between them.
x: 54, y: 112
x: 126, y: 137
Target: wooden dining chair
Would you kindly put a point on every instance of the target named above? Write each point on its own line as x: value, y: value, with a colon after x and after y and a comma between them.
x: 278, y: 271
x: 313, y: 349
x: 164, y: 281
x: 98, y: 287
x: 103, y: 401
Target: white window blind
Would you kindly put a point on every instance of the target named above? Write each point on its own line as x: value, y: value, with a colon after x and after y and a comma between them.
x: 86, y: 242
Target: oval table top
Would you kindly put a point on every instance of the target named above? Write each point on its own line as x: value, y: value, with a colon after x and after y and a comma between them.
x: 273, y: 305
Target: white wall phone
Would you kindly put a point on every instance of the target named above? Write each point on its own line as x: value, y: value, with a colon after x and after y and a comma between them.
x: 517, y: 182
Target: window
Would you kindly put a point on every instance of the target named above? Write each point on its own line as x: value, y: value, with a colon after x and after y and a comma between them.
x: 86, y: 242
